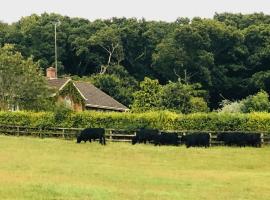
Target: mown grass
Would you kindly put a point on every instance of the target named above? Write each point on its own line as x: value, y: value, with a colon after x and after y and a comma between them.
x: 32, y: 168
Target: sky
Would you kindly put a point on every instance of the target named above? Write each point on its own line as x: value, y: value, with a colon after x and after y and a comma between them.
x: 165, y: 10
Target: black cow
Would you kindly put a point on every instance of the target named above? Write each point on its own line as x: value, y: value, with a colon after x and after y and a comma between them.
x: 145, y: 135
x: 254, y: 139
x: 196, y: 140
x: 232, y: 139
x: 90, y: 134
x: 166, y: 139
x: 240, y: 139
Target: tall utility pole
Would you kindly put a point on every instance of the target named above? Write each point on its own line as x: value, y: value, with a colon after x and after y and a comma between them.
x: 55, y: 45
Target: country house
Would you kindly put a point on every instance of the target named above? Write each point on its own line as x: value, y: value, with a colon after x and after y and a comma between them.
x: 79, y: 95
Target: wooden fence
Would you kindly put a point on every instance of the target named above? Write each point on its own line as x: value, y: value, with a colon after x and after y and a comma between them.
x: 113, y: 135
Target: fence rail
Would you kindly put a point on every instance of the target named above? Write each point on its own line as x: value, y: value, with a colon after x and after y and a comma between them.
x: 114, y: 135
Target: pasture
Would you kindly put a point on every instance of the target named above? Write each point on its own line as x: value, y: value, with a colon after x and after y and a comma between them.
x: 33, y: 168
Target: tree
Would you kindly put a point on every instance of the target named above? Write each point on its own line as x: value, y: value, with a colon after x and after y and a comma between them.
x: 117, y: 83
x: 261, y: 80
x: 184, y: 98
x: 108, y: 38
x: 186, y: 50
x: 148, y: 97
x: 242, y: 21
x: 21, y: 82
x: 34, y: 36
x: 228, y: 55
x: 4, y: 29
x: 256, y: 103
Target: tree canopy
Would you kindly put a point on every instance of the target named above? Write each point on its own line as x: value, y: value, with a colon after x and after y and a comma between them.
x: 21, y: 83
x: 229, y: 55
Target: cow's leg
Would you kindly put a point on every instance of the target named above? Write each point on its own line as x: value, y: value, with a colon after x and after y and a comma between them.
x: 100, y: 140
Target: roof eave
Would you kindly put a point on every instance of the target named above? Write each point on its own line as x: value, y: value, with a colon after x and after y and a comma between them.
x: 79, y: 91
x: 106, y: 107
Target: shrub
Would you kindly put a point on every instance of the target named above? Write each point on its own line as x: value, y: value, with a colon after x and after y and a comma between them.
x: 198, y: 104
x: 231, y: 107
x: 256, y: 103
x: 61, y: 113
x: 163, y: 120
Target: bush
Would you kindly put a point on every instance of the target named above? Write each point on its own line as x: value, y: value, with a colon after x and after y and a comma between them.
x: 256, y: 103
x: 198, y: 104
x: 163, y: 120
x: 231, y: 107
x: 30, y: 119
x: 61, y: 113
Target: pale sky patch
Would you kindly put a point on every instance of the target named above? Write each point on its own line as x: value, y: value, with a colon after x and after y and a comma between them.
x: 165, y: 10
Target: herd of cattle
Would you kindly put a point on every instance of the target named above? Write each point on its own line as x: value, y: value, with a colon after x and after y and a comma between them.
x: 154, y: 136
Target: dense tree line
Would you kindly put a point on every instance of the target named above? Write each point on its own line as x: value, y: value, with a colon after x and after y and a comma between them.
x: 229, y: 55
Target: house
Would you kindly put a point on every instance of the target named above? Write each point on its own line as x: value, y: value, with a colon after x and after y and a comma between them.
x: 79, y: 95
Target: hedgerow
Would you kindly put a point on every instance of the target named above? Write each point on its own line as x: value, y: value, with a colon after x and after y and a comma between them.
x: 162, y: 120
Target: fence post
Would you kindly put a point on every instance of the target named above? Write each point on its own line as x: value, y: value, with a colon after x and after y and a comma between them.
x: 39, y: 132
x: 181, y: 139
x: 18, y: 131
x: 110, y: 135
x: 210, y: 139
x: 63, y: 133
x: 262, y: 139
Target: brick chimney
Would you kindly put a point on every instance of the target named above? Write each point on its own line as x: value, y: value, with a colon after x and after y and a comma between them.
x: 51, y: 73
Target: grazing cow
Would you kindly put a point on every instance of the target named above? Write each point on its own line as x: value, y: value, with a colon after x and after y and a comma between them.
x: 254, y: 139
x: 166, y: 139
x: 90, y: 134
x: 145, y: 135
x: 196, y: 140
x: 240, y: 139
x: 232, y: 139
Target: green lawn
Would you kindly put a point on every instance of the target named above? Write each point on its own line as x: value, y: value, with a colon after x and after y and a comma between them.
x: 32, y: 168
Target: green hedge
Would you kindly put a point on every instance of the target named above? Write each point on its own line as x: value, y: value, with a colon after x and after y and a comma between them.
x: 161, y: 120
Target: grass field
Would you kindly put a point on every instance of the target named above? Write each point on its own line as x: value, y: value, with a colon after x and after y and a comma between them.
x: 32, y: 168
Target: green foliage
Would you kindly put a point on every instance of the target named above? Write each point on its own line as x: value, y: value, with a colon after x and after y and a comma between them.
x: 261, y: 80
x: 30, y: 119
x: 163, y: 120
x: 117, y: 83
x: 108, y: 38
x: 61, y: 113
x: 178, y: 97
x: 148, y: 97
x: 183, y: 98
x: 242, y: 21
x: 198, y: 104
x: 21, y: 82
x: 254, y: 103
x: 231, y: 107
x: 71, y: 90
x: 257, y: 103
x: 228, y: 55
